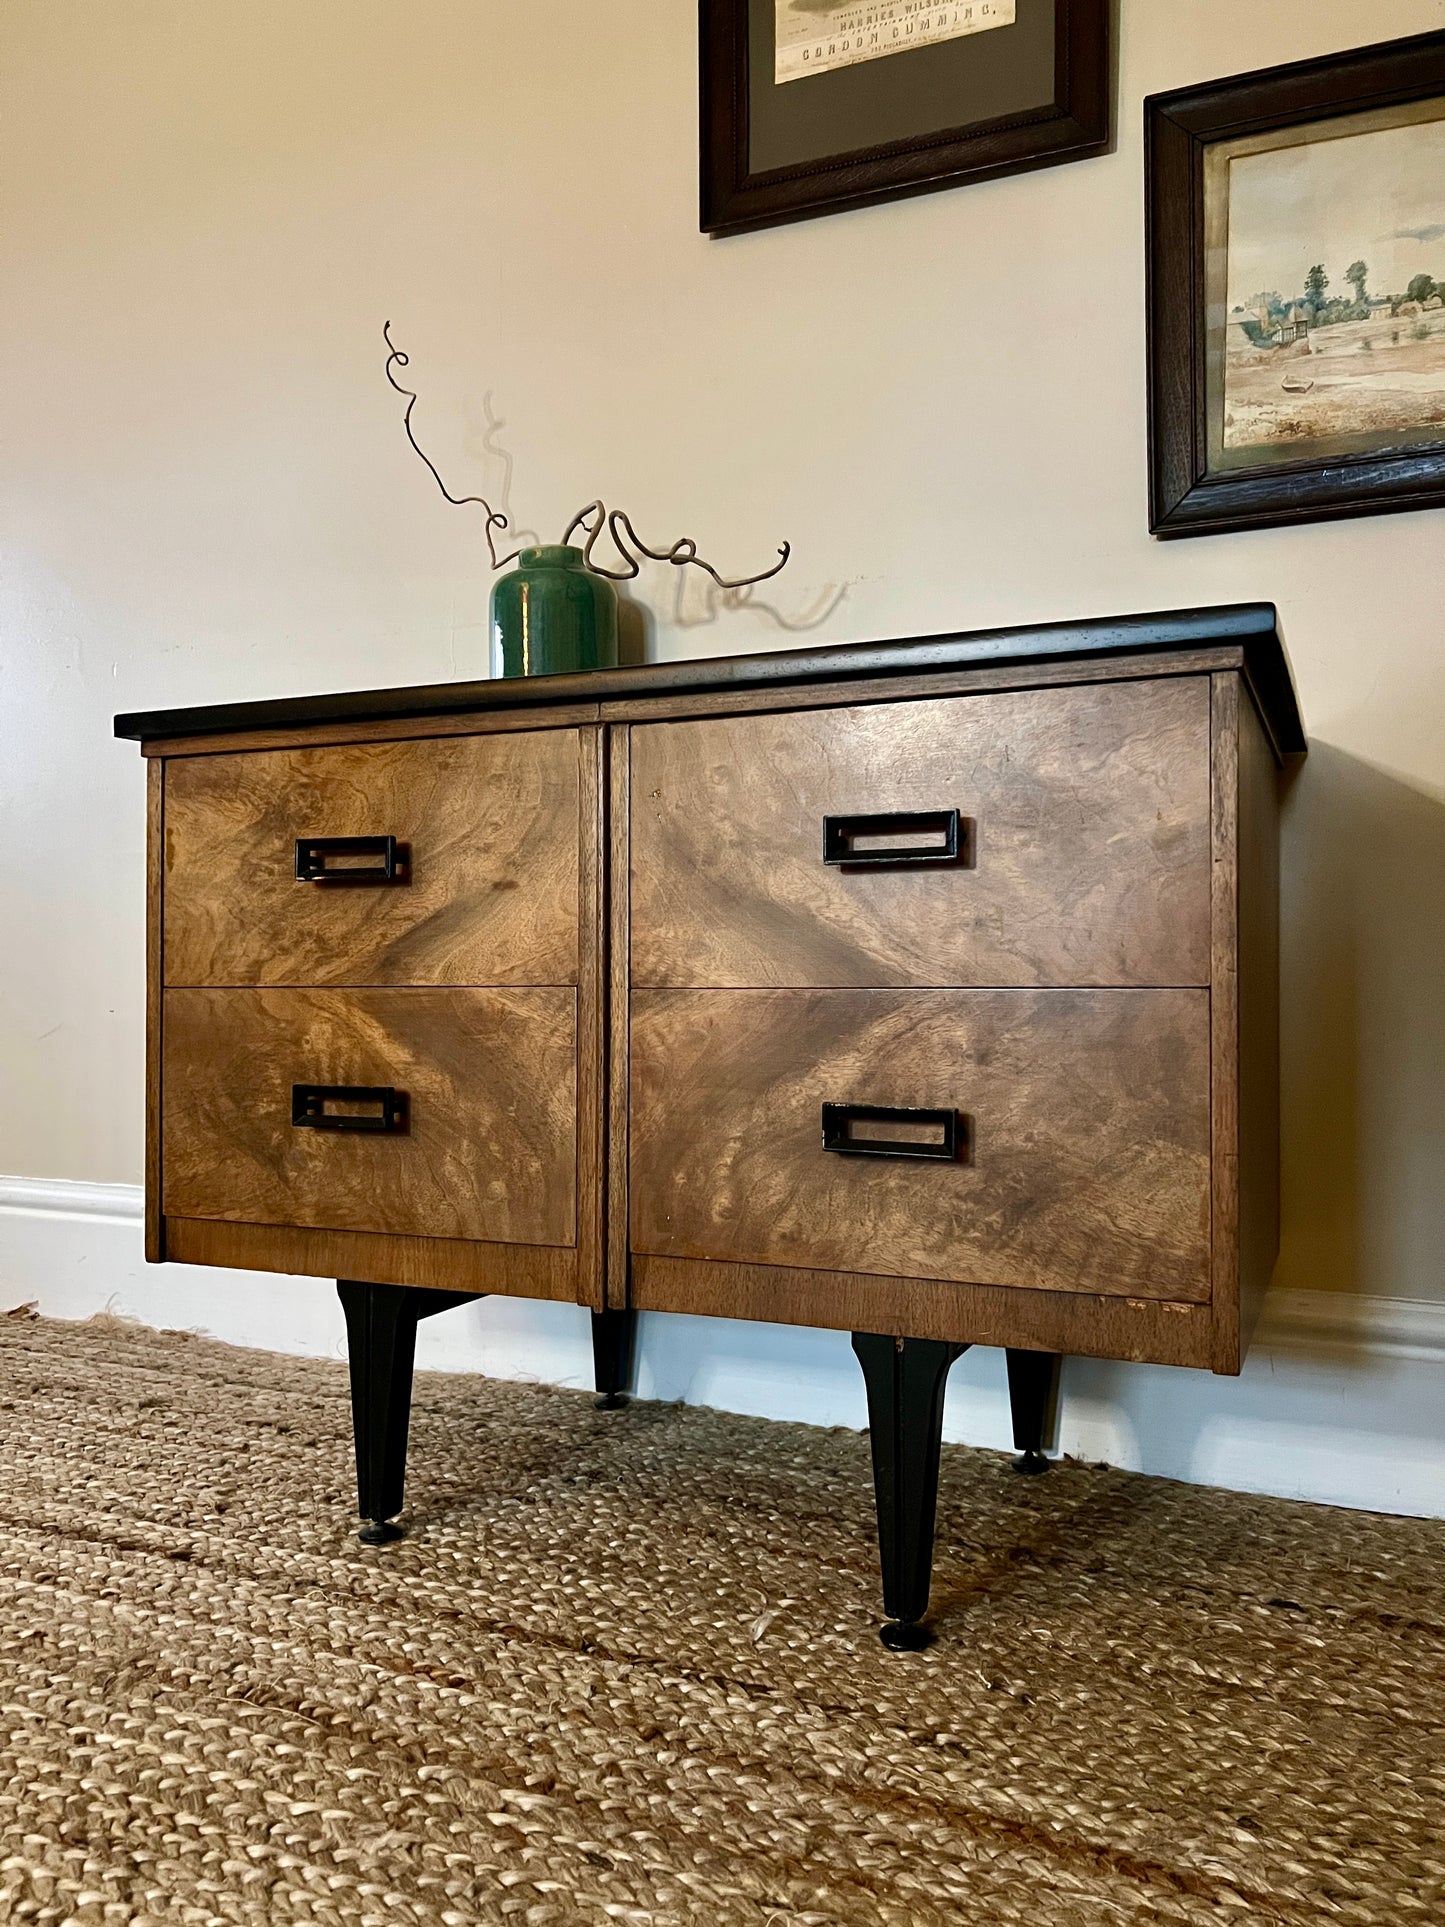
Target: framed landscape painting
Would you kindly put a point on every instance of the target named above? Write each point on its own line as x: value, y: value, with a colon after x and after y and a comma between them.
x: 809, y: 106
x: 1296, y: 255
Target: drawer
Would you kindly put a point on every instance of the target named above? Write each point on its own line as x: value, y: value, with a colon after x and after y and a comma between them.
x: 487, y: 828
x: 1083, y: 1116
x: 488, y: 1142
x: 1084, y: 842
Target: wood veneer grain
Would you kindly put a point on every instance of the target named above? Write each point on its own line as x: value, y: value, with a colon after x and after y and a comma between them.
x: 1112, y: 1312
x: 491, y: 826
x: 442, y: 1264
x: 397, y: 729
x: 491, y: 1075
x: 1148, y: 1331
x: 1089, y: 857
x: 1087, y: 1162
x: 1136, y: 639
x: 925, y: 686
x: 1039, y: 673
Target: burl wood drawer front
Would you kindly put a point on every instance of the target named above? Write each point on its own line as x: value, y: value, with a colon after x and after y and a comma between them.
x: 1084, y: 842
x: 486, y: 1145
x: 1084, y: 1117
x: 487, y: 829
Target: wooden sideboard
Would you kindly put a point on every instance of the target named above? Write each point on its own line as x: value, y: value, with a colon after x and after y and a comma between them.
x: 925, y: 990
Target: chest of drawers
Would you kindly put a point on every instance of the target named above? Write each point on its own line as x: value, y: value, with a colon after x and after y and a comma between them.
x: 924, y: 990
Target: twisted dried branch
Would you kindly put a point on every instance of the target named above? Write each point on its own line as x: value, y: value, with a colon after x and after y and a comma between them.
x: 629, y: 545
x: 595, y: 519
x: 397, y: 358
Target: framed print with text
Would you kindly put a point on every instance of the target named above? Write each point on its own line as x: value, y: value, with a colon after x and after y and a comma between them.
x: 809, y: 106
x: 1296, y: 264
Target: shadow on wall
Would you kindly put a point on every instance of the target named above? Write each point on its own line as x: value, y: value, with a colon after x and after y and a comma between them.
x: 1362, y: 1044
x: 696, y: 605
x: 636, y: 627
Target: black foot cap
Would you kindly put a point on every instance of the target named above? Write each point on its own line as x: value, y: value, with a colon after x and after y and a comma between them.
x: 905, y: 1636
x: 611, y: 1402
x: 1031, y: 1464
x: 379, y: 1532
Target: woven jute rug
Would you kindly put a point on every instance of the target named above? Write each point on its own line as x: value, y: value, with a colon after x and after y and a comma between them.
x: 625, y: 1668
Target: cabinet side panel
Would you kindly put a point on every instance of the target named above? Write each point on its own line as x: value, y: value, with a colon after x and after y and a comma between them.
x: 1258, y: 1017
x: 155, y: 1224
x: 591, y: 1032
x: 1224, y: 1018
x: 619, y: 756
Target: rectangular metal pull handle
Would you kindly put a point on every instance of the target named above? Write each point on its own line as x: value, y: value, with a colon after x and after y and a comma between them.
x: 892, y: 837
x: 887, y: 1131
x: 387, y: 1108
x: 333, y: 859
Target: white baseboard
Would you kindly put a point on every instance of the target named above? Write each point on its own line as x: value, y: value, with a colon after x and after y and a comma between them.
x: 1340, y: 1401
x: 1334, y: 1323
x: 67, y: 1198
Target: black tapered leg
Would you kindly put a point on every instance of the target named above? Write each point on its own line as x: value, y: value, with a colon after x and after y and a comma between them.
x: 1033, y: 1396
x: 614, y: 1336
x: 381, y: 1322
x: 905, y: 1378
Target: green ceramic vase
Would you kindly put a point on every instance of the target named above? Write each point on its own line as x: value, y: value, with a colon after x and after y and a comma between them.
x: 551, y: 614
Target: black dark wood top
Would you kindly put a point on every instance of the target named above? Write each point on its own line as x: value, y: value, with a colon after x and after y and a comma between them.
x: 1251, y: 626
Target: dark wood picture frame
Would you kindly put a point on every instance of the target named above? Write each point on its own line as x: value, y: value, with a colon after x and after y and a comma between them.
x: 1073, y: 125
x: 1184, y: 497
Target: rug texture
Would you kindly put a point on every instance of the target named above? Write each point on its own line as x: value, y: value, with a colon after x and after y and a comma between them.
x: 625, y: 1668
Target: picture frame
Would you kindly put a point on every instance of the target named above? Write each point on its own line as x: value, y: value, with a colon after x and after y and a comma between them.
x: 798, y: 121
x: 1272, y: 400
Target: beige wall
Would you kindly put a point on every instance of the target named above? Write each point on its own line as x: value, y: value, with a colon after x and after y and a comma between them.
x: 212, y: 205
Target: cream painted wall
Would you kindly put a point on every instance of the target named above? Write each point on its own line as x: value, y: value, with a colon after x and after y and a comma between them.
x: 210, y: 206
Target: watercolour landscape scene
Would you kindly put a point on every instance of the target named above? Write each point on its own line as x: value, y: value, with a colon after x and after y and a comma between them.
x: 1334, y: 333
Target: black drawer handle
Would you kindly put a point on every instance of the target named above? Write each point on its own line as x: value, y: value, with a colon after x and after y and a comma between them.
x: 309, y: 1112
x: 314, y: 864
x: 934, y: 836
x: 908, y: 1133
